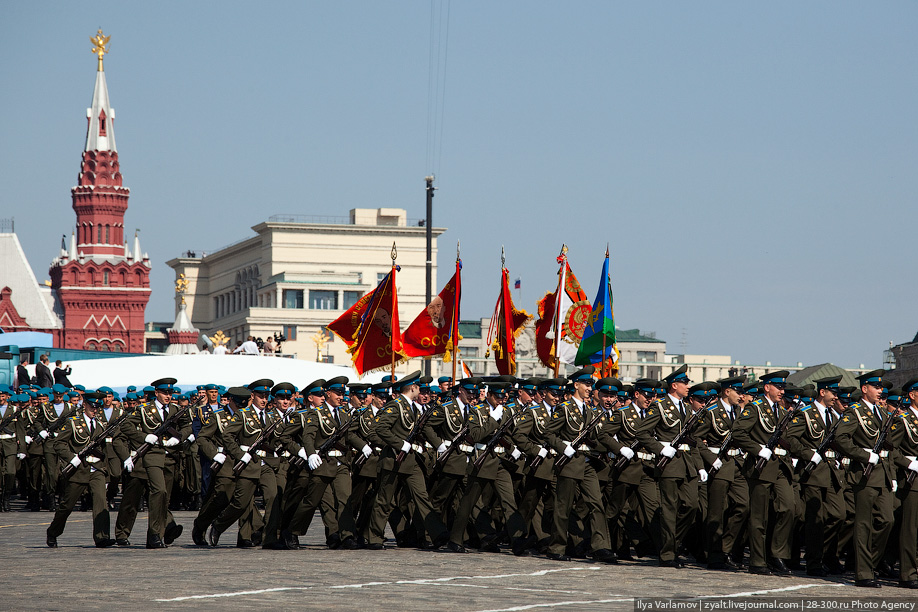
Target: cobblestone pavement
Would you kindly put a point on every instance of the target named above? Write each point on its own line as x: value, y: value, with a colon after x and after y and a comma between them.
x: 77, y: 576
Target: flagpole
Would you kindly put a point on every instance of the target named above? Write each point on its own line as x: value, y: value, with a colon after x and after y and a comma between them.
x: 602, y: 367
x: 454, y: 330
x: 561, y: 275
x: 394, y: 254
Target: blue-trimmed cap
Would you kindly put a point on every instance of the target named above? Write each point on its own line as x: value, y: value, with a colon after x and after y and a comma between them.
x: 79, y: 388
x: 73, y: 395
x: 911, y: 385
x: 830, y: 382
x: 530, y: 384
x: 59, y: 388
x: 315, y: 388
x: 435, y: 389
x: 359, y: 389
x: 553, y: 384
x: 381, y: 388
x: 776, y: 378
x: 678, y: 375
x: 734, y: 382
x: 608, y: 384
x: 625, y: 392
x: 472, y: 384
x: 444, y: 379
x: 408, y: 379
x: 584, y: 374
x: 262, y: 385
x: 338, y: 383
x: 874, y: 377
x: 499, y: 387
x: 895, y: 395
x: 211, y: 387
x: 424, y: 383
x: 704, y: 391
x: 647, y: 386
x: 176, y: 391
x: 388, y: 378
x: 163, y: 384
x: 238, y: 394
x: 283, y: 389
x: 106, y: 390
x: 131, y: 389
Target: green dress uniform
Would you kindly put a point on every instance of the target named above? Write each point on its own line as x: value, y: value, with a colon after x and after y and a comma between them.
x: 273, y: 482
x: 12, y: 444
x: 728, y: 491
x: 873, y: 498
x: 363, y: 480
x: 157, y: 472
x: 633, y: 489
x: 444, y: 424
x: 35, y: 453
x: 751, y: 431
x: 393, y: 425
x: 536, y: 496
x: 908, y: 493
x: 338, y: 492
x: 212, y: 441
x: 822, y: 491
x: 678, y: 481
x: 49, y: 415
x: 491, y: 474
x: 76, y: 433
x: 116, y: 451
x: 568, y: 420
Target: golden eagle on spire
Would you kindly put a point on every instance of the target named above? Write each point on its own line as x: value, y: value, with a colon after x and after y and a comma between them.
x: 99, y: 43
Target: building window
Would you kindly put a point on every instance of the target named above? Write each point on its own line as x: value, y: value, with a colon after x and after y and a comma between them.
x: 290, y: 332
x: 326, y: 359
x: 323, y: 299
x: 468, y: 352
x: 648, y: 355
x: 380, y: 276
x: 330, y: 334
x: 105, y: 278
x: 351, y: 298
x: 107, y: 236
x: 99, y: 234
x: 293, y: 298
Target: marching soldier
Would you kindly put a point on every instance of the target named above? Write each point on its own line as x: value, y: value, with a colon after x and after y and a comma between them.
x: 12, y: 445
x: 678, y: 481
x: 728, y: 493
x: 907, y: 461
x: 393, y: 425
x: 857, y: 436
x: 51, y: 411
x: 274, y: 459
x: 772, y: 486
x: 75, y: 434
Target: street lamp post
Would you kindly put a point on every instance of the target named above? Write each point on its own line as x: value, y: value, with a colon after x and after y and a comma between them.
x: 429, y: 226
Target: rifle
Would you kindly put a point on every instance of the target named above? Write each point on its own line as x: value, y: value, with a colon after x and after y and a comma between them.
x: 10, y: 418
x: 776, y: 437
x: 167, y: 426
x: 685, y: 432
x: 110, y: 429
x: 881, y: 442
x: 299, y: 463
x: 454, y: 443
x: 728, y: 442
x: 563, y: 460
x: 258, y: 443
x: 824, y: 445
x: 498, y: 434
x: 536, y: 461
x: 54, y: 426
x: 622, y: 461
x: 416, y: 429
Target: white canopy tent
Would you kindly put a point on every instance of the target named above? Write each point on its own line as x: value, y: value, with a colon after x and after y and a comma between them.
x: 194, y: 370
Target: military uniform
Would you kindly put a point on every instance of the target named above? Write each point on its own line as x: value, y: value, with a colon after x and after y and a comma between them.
x: 444, y: 424
x: 212, y: 442
x: 12, y: 444
x: 907, y: 462
x: 536, y: 494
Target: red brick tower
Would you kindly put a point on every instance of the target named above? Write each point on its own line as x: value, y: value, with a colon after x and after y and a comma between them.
x: 102, y: 286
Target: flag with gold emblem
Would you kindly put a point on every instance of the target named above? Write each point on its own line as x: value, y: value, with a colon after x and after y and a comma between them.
x: 435, y: 331
x: 562, y: 317
x: 377, y: 341
x: 506, y: 324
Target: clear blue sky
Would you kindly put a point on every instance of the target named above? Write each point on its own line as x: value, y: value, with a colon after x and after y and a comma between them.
x: 752, y: 165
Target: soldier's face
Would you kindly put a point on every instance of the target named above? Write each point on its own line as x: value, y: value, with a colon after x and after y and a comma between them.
x: 316, y: 400
x: 731, y: 396
x: 871, y: 393
x: 107, y: 400
x: 552, y: 397
x: 679, y: 389
x: 642, y: 400
x: 525, y: 396
x: 213, y: 396
x: 58, y: 398
x: 424, y: 398
x: 607, y: 400
x: 583, y: 389
x: 164, y: 397
x: 260, y: 399
x: 333, y: 398
x: 773, y: 392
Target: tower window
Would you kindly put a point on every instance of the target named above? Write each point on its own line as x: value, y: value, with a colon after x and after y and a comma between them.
x: 102, y: 123
x: 105, y: 278
x: 107, y: 237
x: 99, y: 235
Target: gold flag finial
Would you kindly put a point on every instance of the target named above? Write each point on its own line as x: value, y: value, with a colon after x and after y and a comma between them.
x: 99, y: 42
x: 394, y: 253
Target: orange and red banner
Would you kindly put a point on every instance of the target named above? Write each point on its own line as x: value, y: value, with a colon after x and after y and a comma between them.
x: 506, y: 324
x: 435, y: 331
x: 345, y: 326
x: 572, y: 306
x: 377, y: 341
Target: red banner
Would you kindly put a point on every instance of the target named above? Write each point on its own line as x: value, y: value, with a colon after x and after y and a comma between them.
x: 506, y: 325
x: 435, y: 330
x: 378, y: 342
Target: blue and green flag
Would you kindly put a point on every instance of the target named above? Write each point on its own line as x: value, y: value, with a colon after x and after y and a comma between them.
x: 600, y: 329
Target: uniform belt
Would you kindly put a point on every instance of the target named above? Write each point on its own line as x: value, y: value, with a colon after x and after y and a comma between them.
x: 830, y: 454
x: 884, y: 454
x: 845, y: 461
x: 714, y: 449
x: 645, y: 456
x: 734, y: 452
x: 466, y: 448
x: 500, y: 450
x: 684, y: 447
x: 334, y: 453
x: 109, y: 440
x: 7, y: 436
x: 92, y: 459
x: 219, y: 449
x: 780, y: 452
x: 417, y: 447
x: 583, y: 448
x: 245, y: 448
x: 552, y: 452
x: 262, y: 454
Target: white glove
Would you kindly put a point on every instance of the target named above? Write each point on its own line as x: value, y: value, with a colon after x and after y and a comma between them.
x: 406, y: 448
x: 367, y: 450
x: 20, y: 455
x: 190, y: 439
x: 703, y: 475
x: 794, y: 462
x: 314, y: 461
x: 151, y: 439
x: 498, y: 413
x: 668, y: 450
x: 543, y: 452
x: 816, y: 458
x: 516, y: 454
x: 28, y: 439
x: 717, y: 464
x: 913, y: 466
x: 173, y: 441
x: 874, y: 458
x: 442, y: 448
x: 220, y: 458
x: 569, y: 451
x: 895, y: 486
x: 302, y: 454
x: 129, y: 464
x: 246, y: 458
x: 43, y: 434
x: 627, y: 453
x: 765, y: 453
x: 75, y: 462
